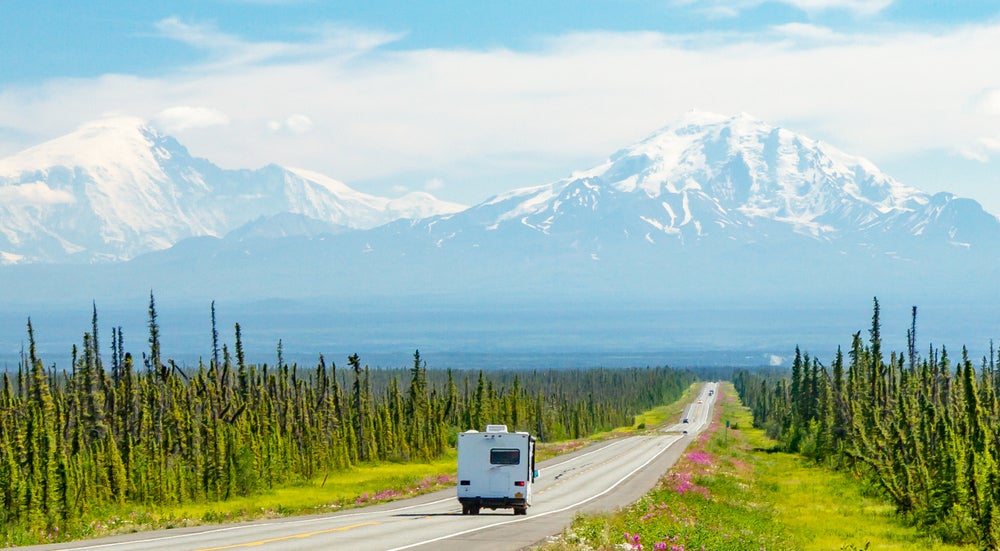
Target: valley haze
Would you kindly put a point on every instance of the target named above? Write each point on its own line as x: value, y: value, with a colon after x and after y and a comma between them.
x: 717, y: 240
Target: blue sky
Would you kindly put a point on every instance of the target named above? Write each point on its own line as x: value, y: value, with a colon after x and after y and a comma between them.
x: 468, y: 99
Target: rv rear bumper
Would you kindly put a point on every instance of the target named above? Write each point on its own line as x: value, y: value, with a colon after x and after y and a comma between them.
x: 494, y: 502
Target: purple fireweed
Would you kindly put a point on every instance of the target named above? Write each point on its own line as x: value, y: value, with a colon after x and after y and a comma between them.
x: 681, y: 483
x: 381, y: 495
x: 634, y: 540
x: 700, y: 458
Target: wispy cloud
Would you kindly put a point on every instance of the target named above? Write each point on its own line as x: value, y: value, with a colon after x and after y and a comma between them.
x: 296, y: 124
x: 733, y: 8
x: 228, y: 50
x: 183, y: 117
x: 860, y: 7
x: 807, y: 31
x: 34, y: 193
x: 341, y: 103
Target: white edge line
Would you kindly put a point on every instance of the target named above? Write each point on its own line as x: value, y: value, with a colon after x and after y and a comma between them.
x: 351, y: 515
x: 254, y: 525
x: 532, y: 517
x: 302, y: 521
x: 582, y: 455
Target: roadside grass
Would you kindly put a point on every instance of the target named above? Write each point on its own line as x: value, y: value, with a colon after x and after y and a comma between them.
x: 662, y: 415
x: 647, y: 420
x: 355, y: 487
x: 358, y: 486
x: 732, y: 491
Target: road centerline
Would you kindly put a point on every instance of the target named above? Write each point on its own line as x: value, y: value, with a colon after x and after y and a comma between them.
x: 291, y: 537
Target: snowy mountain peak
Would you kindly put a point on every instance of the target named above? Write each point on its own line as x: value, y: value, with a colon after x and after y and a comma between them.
x: 709, y: 176
x: 748, y: 164
x: 420, y: 204
x: 113, y: 141
x: 116, y: 188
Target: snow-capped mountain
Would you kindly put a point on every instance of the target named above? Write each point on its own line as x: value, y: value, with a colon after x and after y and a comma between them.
x: 117, y: 188
x: 710, y: 207
x: 712, y: 204
x: 710, y: 178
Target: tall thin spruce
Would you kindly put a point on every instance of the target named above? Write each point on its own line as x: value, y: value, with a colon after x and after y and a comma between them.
x: 359, y: 407
x: 154, y: 364
x: 215, y: 340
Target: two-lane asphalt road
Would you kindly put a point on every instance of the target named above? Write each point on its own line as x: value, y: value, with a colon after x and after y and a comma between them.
x: 600, y: 477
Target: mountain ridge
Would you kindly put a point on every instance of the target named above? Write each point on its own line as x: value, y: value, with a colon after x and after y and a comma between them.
x: 728, y: 178
x: 117, y: 187
x: 721, y: 207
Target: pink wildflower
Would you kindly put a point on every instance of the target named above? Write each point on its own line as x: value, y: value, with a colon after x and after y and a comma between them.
x: 700, y: 458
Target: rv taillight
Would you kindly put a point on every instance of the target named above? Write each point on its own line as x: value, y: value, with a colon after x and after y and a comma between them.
x: 519, y: 483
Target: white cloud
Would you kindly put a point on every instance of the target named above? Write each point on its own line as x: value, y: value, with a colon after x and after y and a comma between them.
x: 775, y: 361
x: 987, y: 102
x: 465, y: 115
x: 974, y: 153
x: 982, y: 149
x: 34, y: 193
x: 434, y: 184
x: 733, y: 8
x: 176, y: 119
x: 228, y: 51
x: 298, y: 123
x: 808, y: 31
x: 294, y: 124
x: 861, y: 7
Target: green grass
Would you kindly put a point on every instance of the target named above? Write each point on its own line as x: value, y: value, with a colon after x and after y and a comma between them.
x: 361, y: 485
x: 357, y: 486
x: 732, y: 492
x: 647, y: 420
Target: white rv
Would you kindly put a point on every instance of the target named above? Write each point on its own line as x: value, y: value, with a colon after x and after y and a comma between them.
x: 495, y: 470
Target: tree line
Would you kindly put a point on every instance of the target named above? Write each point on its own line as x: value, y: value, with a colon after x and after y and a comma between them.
x: 922, y: 429
x: 116, y: 430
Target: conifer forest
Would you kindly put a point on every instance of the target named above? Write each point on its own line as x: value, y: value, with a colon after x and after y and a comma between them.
x: 114, y: 428
x: 920, y: 428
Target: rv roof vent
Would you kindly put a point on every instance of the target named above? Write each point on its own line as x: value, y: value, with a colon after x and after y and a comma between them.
x: 496, y: 428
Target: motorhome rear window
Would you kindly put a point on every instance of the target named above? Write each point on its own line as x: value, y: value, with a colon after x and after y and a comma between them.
x: 500, y: 456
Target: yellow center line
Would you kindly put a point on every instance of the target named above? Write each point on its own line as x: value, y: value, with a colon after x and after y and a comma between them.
x: 296, y: 536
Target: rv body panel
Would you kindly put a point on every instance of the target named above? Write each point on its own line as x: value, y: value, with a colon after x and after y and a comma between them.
x: 496, y: 469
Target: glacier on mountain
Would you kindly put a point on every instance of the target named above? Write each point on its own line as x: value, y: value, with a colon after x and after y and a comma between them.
x: 117, y: 188
x: 710, y: 206
x: 708, y: 175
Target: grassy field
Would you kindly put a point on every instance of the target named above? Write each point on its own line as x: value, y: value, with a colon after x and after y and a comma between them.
x: 651, y: 418
x: 731, y: 492
x: 356, y: 487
